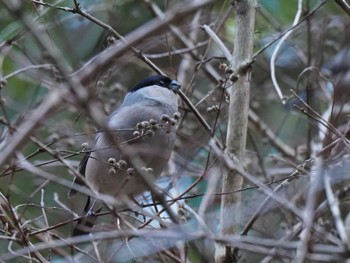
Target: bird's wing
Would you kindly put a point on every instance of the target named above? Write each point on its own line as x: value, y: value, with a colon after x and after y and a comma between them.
x: 77, y: 180
x: 135, y: 113
x: 81, y: 169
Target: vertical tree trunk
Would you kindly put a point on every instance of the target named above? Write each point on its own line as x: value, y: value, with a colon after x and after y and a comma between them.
x: 237, y: 123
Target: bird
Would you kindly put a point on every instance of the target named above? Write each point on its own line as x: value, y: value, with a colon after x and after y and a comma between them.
x: 145, y: 125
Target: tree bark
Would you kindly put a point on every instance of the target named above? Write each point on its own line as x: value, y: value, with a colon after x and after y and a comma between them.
x: 237, y: 124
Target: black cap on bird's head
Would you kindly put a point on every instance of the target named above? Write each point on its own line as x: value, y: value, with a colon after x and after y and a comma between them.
x: 158, y: 80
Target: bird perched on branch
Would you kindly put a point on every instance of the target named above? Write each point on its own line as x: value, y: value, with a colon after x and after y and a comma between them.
x: 140, y: 132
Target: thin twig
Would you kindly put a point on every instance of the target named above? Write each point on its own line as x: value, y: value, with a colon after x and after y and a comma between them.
x: 334, y: 207
x: 344, y: 5
x: 278, y: 46
x: 219, y: 43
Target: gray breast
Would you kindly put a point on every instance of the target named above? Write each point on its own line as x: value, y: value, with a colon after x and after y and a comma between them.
x: 154, y: 151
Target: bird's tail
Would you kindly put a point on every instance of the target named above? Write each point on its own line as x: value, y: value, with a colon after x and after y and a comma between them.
x: 86, y: 223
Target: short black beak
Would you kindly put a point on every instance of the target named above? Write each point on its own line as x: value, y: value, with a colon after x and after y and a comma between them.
x: 174, y: 86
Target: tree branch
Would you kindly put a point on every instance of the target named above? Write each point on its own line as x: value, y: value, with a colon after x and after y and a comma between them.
x: 237, y: 124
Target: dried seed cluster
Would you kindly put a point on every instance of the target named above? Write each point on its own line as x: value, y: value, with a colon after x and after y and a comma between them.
x: 85, y: 146
x: 123, y: 165
x: 148, y: 128
x: 117, y: 165
x: 168, y: 122
x: 145, y: 128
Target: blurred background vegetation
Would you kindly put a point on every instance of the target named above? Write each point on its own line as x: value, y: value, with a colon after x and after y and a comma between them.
x: 308, y: 63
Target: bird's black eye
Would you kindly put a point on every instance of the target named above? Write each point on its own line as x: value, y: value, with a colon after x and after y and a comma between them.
x: 161, y: 83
